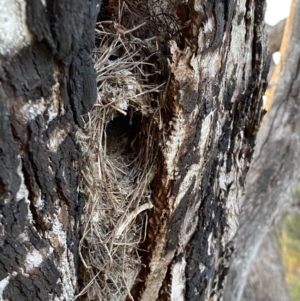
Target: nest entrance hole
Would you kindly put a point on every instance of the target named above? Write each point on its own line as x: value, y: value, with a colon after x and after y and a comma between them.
x: 122, y: 126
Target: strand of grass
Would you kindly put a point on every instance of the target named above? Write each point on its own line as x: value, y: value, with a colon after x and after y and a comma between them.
x: 135, y: 28
x: 125, y: 278
x: 85, y: 233
x: 100, y: 147
x: 112, y: 236
x: 119, y: 64
x: 119, y: 110
x: 107, y: 53
x: 131, y: 217
x: 84, y: 291
x: 149, y: 91
x: 104, y: 58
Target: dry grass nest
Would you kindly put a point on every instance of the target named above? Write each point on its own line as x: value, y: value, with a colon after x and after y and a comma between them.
x: 119, y: 147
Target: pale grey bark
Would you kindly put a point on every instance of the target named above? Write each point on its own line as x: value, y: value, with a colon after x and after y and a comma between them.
x: 275, y: 34
x: 266, y: 281
x: 274, y: 172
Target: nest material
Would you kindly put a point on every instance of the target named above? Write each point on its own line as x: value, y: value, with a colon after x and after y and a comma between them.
x: 119, y: 149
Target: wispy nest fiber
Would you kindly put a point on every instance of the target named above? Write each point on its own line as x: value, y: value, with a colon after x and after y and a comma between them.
x: 119, y: 147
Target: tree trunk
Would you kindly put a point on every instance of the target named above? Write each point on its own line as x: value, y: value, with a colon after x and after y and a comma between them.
x: 275, y: 34
x: 211, y: 114
x: 267, y: 265
x: 274, y: 172
x: 47, y: 82
x: 214, y: 99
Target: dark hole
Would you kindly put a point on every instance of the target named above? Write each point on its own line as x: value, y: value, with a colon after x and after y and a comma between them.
x: 122, y: 125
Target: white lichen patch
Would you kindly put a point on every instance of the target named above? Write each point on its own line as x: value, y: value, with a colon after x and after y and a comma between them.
x: 3, y: 284
x: 14, y: 32
x: 58, y: 238
x: 189, y: 224
x: 198, y: 6
x: 57, y: 137
x: 232, y: 212
x: 55, y: 106
x: 224, y: 181
x: 211, y: 64
x: 201, y: 267
x: 32, y: 109
x: 52, y: 105
x: 205, y: 131
x: 23, y: 193
x: 33, y: 260
x: 208, y: 26
x: 174, y: 143
x: 178, y: 281
x: 40, y: 203
x: 210, y: 245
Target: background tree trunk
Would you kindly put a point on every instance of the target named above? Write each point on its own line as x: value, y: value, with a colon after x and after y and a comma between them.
x: 213, y: 109
x: 275, y: 34
x: 266, y: 280
x: 273, y: 175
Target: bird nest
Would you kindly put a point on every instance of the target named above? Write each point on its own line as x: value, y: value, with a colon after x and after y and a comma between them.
x: 119, y: 145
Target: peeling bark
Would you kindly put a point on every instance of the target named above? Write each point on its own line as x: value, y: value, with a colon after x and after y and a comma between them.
x: 47, y: 82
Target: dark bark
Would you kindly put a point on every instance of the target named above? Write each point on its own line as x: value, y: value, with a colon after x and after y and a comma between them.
x: 46, y: 86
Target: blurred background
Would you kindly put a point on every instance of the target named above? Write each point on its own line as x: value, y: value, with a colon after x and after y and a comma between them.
x: 287, y: 230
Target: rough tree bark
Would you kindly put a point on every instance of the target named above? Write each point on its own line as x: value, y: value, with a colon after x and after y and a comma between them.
x: 214, y: 98
x: 273, y: 175
x: 214, y: 108
x: 47, y: 82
